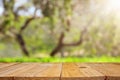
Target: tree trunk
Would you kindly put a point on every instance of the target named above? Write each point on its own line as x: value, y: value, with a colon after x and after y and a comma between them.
x: 59, y: 46
x: 57, y: 49
x: 22, y: 44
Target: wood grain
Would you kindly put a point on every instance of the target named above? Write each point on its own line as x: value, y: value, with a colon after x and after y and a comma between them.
x: 110, y: 70
x: 32, y: 71
x: 76, y: 71
x: 2, y: 65
x: 59, y: 71
x: 6, y: 72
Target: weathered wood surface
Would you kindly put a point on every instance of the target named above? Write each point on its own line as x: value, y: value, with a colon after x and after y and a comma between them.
x: 59, y: 71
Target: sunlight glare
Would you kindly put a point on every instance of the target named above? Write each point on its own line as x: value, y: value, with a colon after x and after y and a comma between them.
x: 113, y: 6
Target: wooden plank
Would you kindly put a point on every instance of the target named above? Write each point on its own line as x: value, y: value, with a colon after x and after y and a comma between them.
x: 76, y: 71
x: 10, y: 69
x: 110, y: 70
x: 52, y: 71
x: 39, y: 71
x: 2, y: 65
x: 90, y: 72
x: 4, y: 72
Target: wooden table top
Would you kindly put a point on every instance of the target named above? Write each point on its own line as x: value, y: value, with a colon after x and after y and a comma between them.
x: 59, y: 71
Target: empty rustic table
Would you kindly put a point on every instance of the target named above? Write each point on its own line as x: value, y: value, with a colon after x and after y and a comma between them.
x: 59, y: 71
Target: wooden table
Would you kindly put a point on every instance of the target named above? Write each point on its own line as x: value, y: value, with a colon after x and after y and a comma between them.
x: 59, y: 71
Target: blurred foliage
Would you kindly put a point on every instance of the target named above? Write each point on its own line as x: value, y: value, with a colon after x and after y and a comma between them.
x: 67, y: 59
x: 22, y: 31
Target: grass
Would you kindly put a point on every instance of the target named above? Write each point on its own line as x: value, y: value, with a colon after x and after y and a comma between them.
x: 67, y: 59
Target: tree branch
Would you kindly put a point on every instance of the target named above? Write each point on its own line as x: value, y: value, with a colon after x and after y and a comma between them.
x: 78, y: 42
x: 61, y: 38
x: 22, y: 44
x: 26, y: 24
x: 59, y: 45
